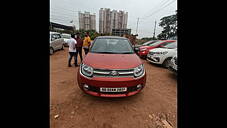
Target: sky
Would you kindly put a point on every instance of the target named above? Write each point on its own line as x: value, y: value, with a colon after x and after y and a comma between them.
x: 148, y: 11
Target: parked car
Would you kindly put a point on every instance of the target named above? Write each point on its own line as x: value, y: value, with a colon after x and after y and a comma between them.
x: 56, y: 42
x: 173, y: 38
x: 173, y: 64
x: 144, y: 44
x: 65, y: 38
x: 162, y: 55
x: 111, y: 69
x: 143, y: 50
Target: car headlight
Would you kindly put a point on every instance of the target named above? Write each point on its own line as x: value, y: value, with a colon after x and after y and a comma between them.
x: 138, y: 71
x: 86, y: 70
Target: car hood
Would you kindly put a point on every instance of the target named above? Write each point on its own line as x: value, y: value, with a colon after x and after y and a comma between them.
x: 163, y: 50
x: 112, y: 61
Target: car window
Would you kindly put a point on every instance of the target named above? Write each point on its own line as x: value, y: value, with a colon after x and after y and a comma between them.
x: 171, y: 45
x: 164, y: 44
x: 55, y: 36
x: 58, y: 36
x: 156, y: 43
x: 114, y: 46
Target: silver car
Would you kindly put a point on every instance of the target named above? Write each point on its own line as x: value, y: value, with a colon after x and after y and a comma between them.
x: 56, y: 42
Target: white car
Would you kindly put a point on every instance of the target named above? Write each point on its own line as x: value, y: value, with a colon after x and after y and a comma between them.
x: 66, y: 37
x: 173, y: 64
x: 56, y: 42
x: 163, y: 54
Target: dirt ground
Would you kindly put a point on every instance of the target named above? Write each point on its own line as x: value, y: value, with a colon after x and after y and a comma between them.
x: 154, y: 107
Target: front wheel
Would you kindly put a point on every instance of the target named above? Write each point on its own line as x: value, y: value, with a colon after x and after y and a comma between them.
x: 166, y: 63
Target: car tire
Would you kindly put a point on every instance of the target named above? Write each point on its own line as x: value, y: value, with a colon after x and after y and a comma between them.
x: 62, y: 47
x: 51, y: 51
x: 166, y: 62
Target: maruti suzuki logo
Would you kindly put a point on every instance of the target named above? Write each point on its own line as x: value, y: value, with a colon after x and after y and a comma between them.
x: 114, y: 73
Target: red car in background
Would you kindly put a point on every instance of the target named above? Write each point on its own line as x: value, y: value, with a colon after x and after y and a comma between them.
x: 143, y: 51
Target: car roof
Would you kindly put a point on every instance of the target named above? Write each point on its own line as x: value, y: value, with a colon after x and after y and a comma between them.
x: 110, y: 37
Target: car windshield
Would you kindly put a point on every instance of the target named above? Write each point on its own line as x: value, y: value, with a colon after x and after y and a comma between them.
x: 156, y: 43
x: 112, y: 46
x: 171, y: 45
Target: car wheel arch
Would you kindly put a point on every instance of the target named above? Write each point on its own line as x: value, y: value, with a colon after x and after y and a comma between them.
x: 164, y: 63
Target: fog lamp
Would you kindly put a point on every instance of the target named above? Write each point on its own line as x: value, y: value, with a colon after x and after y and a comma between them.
x: 139, y: 86
x: 86, y: 87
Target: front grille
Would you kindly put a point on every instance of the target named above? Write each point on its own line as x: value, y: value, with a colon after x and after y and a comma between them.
x: 109, y: 73
x: 97, y: 89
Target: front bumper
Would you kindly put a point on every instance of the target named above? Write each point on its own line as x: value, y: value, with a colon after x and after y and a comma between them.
x: 112, y: 82
x: 173, y: 67
x: 153, y: 59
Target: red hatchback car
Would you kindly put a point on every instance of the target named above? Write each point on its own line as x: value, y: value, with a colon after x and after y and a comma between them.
x: 111, y: 69
x: 143, y: 51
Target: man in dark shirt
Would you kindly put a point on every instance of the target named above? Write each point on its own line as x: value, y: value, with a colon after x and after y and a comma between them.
x: 79, y: 46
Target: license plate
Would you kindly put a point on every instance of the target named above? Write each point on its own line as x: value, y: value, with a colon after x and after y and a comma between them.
x: 124, y: 89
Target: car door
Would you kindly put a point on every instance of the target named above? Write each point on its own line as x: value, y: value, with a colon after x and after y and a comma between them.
x: 59, y: 41
x: 56, y: 42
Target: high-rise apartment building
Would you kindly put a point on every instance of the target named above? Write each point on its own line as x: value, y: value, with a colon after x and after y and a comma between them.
x: 87, y: 21
x: 109, y: 20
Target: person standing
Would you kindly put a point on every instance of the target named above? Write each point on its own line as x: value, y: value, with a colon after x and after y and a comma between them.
x: 86, y: 43
x: 79, y: 46
x: 72, y: 50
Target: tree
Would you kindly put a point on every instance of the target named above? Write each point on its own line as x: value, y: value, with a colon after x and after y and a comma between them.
x: 169, y: 25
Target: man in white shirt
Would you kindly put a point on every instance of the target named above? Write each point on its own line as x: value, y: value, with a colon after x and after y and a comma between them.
x: 72, y: 50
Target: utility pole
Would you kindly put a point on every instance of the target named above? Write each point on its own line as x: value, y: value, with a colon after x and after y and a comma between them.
x: 154, y: 29
x: 137, y: 25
